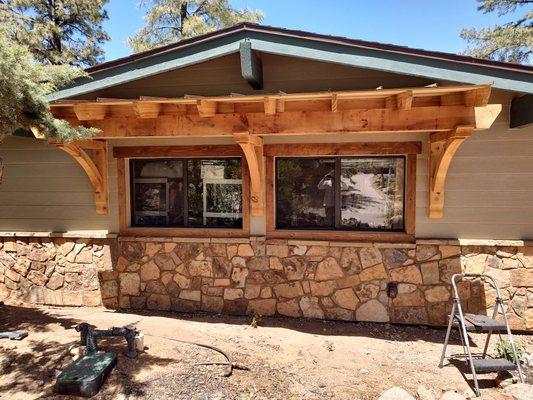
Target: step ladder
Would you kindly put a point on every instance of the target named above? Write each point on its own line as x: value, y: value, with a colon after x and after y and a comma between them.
x: 480, y: 324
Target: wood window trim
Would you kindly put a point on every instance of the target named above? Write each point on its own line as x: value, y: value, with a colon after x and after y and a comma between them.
x: 126, y: 152
x: 407, y: 149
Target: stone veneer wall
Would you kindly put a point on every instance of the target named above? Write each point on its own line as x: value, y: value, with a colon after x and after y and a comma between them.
x: 54, y: 271
x: 342, y: 281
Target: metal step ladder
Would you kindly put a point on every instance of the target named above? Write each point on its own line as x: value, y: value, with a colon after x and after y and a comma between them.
x: 480, y: 324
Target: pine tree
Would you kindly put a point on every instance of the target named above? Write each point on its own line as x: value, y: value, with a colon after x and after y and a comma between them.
x: 24, y: 85
x: 58, y: 31
x: 169, y: 21
x: 512, y: 41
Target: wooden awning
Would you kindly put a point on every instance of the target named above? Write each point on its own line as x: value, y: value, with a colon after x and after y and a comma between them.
x: 147, y: 107
x: 449, y: 113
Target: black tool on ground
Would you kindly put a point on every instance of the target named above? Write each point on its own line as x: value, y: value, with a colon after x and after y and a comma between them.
x: 481, y: 324
x: 89, y: 337
x: 85, y: 376
x: 13, y: 335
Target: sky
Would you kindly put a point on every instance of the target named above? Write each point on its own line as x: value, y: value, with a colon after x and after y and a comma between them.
x: 425, y: 24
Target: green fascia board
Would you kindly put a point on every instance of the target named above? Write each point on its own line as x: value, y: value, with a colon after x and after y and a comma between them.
x: 398, y: 63
x: 286, y: 45
x: 149, y: 66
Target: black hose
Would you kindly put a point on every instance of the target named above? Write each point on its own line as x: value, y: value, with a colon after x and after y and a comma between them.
x: 229, y: 362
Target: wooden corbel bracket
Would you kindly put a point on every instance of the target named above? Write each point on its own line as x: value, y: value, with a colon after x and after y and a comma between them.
x: 94, y: 165
x: 252, y: 147
x: 442, y: 148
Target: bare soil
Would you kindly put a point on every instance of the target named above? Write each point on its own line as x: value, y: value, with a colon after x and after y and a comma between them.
x: 288, y: 358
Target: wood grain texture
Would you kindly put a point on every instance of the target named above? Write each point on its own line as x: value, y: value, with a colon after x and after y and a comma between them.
x: 342, y: 149
x: 177, y: 151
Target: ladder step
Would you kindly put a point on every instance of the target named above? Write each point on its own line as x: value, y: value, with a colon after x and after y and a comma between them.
x: 481, y: 323
x: 482, y: 365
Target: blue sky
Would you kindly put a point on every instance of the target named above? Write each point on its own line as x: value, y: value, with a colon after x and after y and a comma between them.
x: 426, y: 24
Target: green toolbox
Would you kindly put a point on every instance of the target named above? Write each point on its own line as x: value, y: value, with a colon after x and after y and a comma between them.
x: 85, y: 376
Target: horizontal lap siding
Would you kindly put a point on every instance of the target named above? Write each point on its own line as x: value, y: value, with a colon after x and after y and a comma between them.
x: 489, y: 188
x: 44, y: 189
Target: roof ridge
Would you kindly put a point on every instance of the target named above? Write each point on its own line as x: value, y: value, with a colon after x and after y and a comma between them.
x: 373, y: 45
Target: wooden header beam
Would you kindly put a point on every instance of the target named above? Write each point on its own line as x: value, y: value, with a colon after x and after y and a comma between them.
x: 424, y: 119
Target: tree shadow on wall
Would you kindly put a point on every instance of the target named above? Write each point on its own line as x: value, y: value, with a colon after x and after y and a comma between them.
x: 38, y: 358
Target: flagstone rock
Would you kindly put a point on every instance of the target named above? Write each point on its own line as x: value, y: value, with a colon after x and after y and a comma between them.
x: 370, y: 256
x: 437, y: 294
x: 288, y: 290
x: 149, y: 271
x: 310, y: 308
x: 263, y: 307
x: 345, y: 298
x: 377, y: 272
x: 158, y: 302
x: 129, y: 283
x: 324, y: 288
x: 289, y: 308
x: 328, y: 269
x: 55, y: 281
x: 396, y: 393
x: 410, y: 274
x: 372, y: 311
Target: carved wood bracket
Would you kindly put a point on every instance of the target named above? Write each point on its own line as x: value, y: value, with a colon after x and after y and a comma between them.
x: 252, y: 147
x: 442, y: 148
x: 94, y: 165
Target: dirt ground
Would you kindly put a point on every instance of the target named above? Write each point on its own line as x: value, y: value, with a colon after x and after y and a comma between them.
x: 288, y: 358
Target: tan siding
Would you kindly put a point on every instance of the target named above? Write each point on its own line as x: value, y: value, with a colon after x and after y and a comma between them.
x: 44, y: 189
x: 223, y: 76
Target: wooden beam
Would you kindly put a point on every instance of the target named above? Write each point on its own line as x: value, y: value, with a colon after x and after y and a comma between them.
x: 96, y: 169
x: 442, y: 148
x: 206, y: 108
x: 478, y: 97
x: 334, y: 103
x: 252, y: 147
x: 251, y: 66
x: 400, y: 101
x: 342, y: 149
x: 224, y: 150
x: 522, y: 111
x: 145, y: 109
x: 90, y: 111
x: 270, y: 105
x: 420, y: 119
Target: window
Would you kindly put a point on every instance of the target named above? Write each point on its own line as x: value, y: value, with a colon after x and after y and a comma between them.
x: 344, y: 193
x: 186, y: 193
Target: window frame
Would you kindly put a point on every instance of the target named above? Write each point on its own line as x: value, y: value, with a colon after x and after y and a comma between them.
x: 409, y: 150
x: 125, y: 191
x: 338, y: 227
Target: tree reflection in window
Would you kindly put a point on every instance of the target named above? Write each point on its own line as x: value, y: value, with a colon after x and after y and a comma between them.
x: 355, y: 193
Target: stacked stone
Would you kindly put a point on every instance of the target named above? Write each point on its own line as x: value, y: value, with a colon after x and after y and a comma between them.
x: 52, y: 271
x: 312, y: 279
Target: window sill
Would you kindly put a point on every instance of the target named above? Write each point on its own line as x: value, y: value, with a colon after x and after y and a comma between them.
x: 346, y: 236
x: 186, y: 232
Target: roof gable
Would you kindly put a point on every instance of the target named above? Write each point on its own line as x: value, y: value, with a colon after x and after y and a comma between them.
x: 355, y: 53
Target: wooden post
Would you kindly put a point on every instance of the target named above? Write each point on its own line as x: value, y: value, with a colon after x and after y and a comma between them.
x: 252, y: 146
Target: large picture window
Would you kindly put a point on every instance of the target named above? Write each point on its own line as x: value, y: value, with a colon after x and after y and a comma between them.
x: 345, y: 193
x: 186, y: 193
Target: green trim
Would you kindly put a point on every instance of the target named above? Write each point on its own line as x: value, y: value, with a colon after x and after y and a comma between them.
x: 440, y: 70
x: 143, y: 68
x: 286, y: 45
x: 251, y: 66
x: 522, y: 111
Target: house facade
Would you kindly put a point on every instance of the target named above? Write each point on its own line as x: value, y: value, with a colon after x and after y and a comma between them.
x: 276, y: 172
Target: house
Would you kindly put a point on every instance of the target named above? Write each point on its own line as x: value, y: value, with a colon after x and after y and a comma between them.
x: 278, y: 172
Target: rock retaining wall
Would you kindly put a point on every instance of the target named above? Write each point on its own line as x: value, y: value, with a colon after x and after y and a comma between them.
x: 399, y: 283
